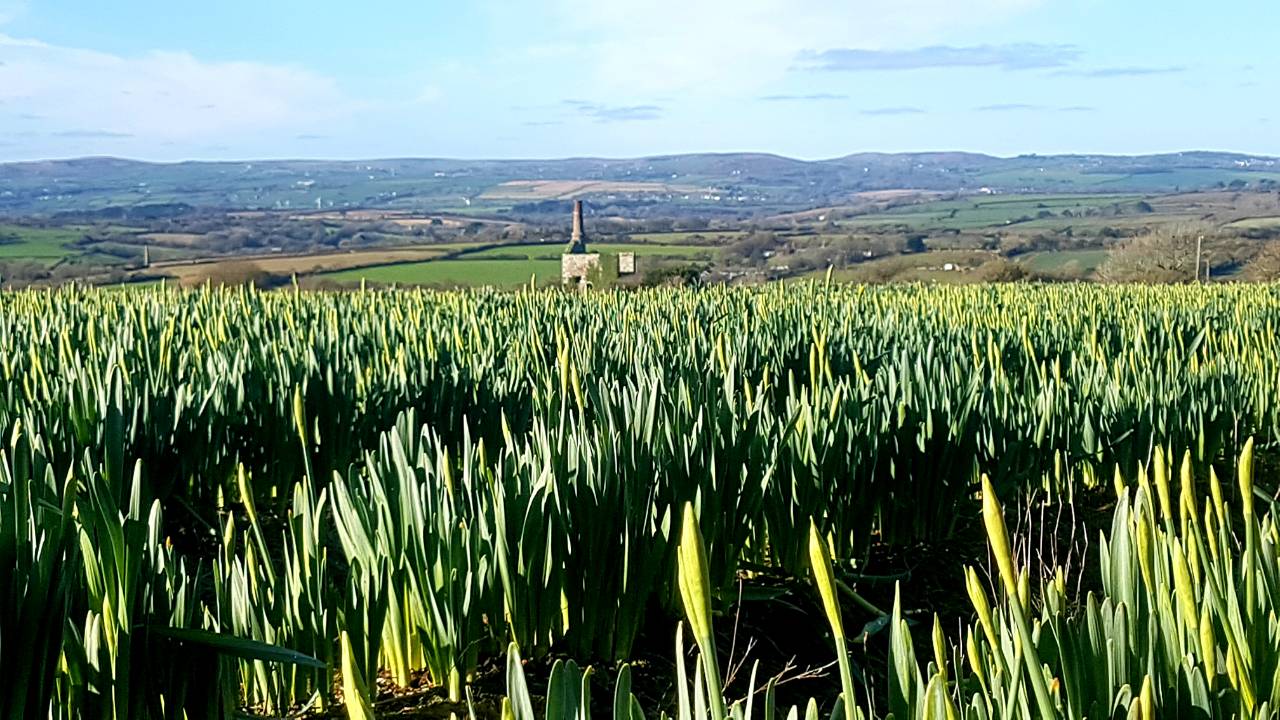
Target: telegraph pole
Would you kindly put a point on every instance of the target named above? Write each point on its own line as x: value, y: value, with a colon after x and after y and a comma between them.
x: 1199, y: 245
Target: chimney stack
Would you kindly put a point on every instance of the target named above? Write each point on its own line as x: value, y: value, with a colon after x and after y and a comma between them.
x: 577, y: 223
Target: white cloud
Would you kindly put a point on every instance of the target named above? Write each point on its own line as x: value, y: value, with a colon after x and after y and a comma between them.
x: 730, y: 46
x: 1018, y: 56
x: 615, y: 113
x: 1125, y: 71
x: 158, y: 96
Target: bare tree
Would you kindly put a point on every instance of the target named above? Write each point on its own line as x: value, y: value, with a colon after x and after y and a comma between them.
x: 999, y: 270
x: 1164, y: 255
x: 1265, y: 266
x: 235, y: 272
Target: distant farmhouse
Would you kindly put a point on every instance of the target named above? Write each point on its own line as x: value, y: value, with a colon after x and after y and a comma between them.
x: 581, y: 268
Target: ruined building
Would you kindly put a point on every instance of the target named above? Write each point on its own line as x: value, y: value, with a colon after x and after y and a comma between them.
x: 579, y: 267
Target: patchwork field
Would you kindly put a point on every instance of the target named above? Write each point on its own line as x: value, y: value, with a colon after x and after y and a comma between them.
x: 505, y: 266
x: 532, y: 190
x: 991, y: 211
x: 553, y: 251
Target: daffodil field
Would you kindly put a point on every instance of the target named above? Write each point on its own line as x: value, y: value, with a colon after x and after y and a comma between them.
x: 227, y: 501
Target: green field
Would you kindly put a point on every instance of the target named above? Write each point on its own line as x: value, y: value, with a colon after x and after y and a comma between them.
x: 1066, y: 179
x: 1258, y: 223
x: 989, y: 211
x: 503, y: 266
x: 1065, y: 261
x: 474, y: 273
x: 37, y: 243
x: 554, y: 251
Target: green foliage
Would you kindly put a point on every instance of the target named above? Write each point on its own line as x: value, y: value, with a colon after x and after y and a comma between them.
x: 1179, y: 630
x: 409, y: 482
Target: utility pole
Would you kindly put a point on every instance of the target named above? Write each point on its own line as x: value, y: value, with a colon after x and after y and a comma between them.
x: 1199, y: 245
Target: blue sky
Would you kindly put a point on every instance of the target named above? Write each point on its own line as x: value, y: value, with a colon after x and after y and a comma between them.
x: 233, y: 79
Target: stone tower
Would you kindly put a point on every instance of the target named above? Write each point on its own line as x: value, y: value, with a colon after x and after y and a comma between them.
x: 578, y: 241
x: 577, y: 265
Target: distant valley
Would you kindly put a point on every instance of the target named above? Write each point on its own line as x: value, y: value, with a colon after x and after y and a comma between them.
x: 735, y: 185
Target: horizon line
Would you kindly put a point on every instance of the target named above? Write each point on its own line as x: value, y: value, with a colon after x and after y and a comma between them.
x: 658, y: 156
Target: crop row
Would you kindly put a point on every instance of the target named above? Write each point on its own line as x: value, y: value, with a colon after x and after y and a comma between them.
x: 292, y: 488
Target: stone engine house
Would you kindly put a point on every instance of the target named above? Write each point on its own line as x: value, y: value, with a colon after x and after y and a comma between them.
x: 578, y: 266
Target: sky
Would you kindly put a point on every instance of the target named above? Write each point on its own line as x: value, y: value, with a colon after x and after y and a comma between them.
x: 240, y: 79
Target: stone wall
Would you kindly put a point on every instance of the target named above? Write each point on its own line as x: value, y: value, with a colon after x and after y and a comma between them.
x: 576, y: 267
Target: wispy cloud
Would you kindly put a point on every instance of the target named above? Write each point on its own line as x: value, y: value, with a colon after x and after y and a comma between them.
x: 811, y: 97
x: 92, y: 134
x: 310, y: 136
x: 542, y: 123
x: 697, y: 47
x: 157, y: 96
x: 615, y: 113
x: 1128, y: 71
x: 1031, y: 107
x: 1019, y: 56
x: 627, y: 114
x: 1008, y: 107
x: 894, y: 111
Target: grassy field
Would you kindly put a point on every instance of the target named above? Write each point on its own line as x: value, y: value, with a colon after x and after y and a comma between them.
x: 992, y: 211
x: 500, y: 266
x: 554, y: 251
x: 915, y: 267
x: 37, y: 243
x: 308, y: 264
x: 1065, y: 261
x: 1258, y: 223
x: 472, y: 273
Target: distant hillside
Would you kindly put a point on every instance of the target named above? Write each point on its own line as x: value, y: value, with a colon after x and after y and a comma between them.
x: 738, y: 183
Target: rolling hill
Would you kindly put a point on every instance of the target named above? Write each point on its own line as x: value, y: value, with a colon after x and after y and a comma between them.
x: 741, y: 183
